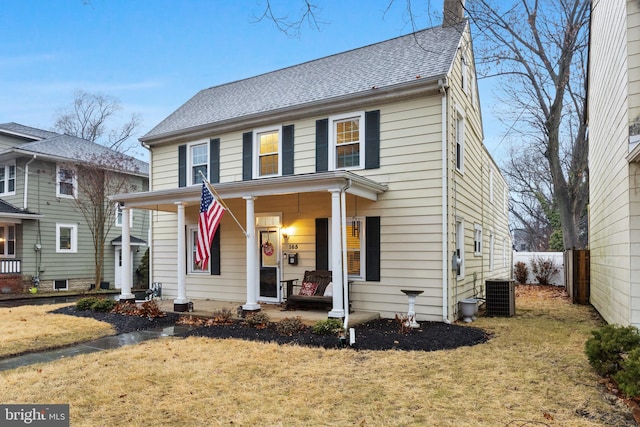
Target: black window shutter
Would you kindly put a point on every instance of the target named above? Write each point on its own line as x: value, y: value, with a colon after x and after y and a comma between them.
x: 214, y: 160
x: 322, y: 243
x: 182, y: 166
x: 322, y: 145
x: 372, y: 139
x: 247, y: 156
x: 287, y: 150
x: 372, y: 230
x: 215, y: 253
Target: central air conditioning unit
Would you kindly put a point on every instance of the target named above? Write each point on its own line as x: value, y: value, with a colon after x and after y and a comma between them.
x: 501, y: 297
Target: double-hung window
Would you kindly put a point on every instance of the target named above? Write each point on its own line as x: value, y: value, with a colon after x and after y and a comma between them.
x: 66, y: 183
x: 7, y: 241
x: 66, y: 238
x: 199, y: 162
x: 347, y: 141
x: 477, y: 240
x: 268, y: 147
x: 7, y: 179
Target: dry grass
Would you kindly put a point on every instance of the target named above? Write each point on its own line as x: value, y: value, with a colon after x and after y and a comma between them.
x: 533, y: 371
x: 32, y: 328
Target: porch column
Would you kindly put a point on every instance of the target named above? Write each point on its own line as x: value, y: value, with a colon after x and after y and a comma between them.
x: 336, y: 255
x: 125, y: 271
x: 252, y: 259
x: 181, y: 303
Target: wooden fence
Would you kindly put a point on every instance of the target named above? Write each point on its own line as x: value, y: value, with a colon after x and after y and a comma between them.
x: 576, y: 272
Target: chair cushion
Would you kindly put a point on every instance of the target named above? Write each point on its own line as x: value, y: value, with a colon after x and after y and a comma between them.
x: 308, y: 288
x: 328, y: 292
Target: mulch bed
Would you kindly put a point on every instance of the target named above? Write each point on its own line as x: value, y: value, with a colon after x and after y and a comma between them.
x: 381, y: 334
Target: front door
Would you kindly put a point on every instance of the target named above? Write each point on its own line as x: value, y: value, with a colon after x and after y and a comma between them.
x: 269, y: 265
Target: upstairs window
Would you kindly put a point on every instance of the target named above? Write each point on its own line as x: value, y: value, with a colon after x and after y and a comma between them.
x: 66, y: 184
x: 7, y: 179
x: 199, y: 159
x: 347, y: 141
x: 459, y: 137
x: 268, y: 152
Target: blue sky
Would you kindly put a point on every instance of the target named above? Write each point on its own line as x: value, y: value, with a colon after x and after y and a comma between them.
x: 156, y: 54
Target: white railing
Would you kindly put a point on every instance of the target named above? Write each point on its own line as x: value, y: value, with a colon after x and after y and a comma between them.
x: 10, y: 266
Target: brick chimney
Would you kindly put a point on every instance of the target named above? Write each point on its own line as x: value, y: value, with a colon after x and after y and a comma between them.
x: 453, y: 12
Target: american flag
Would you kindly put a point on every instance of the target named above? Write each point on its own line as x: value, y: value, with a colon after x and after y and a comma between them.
x: 210, y: 215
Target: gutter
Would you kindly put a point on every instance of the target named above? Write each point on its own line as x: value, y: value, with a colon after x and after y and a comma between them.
x: 26, y: 182
x: 444, y: 86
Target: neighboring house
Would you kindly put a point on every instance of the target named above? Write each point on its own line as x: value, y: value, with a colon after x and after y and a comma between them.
x: 614, y: 160
x: 43, y: 236
x: 368, y: 163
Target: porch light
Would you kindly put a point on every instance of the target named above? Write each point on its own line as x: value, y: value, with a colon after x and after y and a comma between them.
x: 285, y: 232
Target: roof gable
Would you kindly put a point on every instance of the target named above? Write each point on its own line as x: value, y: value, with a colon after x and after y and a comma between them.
x: 421, y: 57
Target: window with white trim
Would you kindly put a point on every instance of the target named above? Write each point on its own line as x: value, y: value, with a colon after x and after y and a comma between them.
x: 346, y: 141
x: 61, y: 284
x: 7, y: 179
x: 198, y: 162
x: 66, y: 182
x: 7, y: 241
x: 355, y: 248
x: 460, y: 248
x: 66, y: 238
x: 268, y: 147
x: 459, y: 137
x: 477, y: 240
x: 193, y: 241
x: 119, y: 212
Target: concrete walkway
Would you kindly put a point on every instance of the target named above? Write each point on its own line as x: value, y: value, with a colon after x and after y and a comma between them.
x: 105, y: 343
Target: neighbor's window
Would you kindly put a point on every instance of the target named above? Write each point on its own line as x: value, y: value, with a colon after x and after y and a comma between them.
x: 199, y: 157
x: 459, y: 136
x: 355, y: 248
x: 66, y: 238
x: 193, y: 240
x: 7, y: 179
x: 477, y: 240
x: 347, y: 141
x: 268, y: 152
x: 61, y: 284
x: 8, y: 241
x: 66, y: 182
x: 119, y: 212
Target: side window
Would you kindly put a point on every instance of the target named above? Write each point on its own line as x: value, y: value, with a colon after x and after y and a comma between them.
x: 267, y: 151
x: 198, y: 162
x: 66, y: 238
x: 7, y: 179
x: 346, y: 141
x: 66, y: 183
x: 355, y: 248
x: 477, y: 240
x: 119, y: 216
x: 459, y: 137
x: 193, y: 242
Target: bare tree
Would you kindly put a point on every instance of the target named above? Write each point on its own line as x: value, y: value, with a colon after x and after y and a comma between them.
x: 538, y: 51
x: 97, y: 179
x: 89, y: 117
x: 292, y: 27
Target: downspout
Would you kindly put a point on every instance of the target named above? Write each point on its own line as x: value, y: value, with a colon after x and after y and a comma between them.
x: 26, y: 182
x: 343, y: 235
x: 445, y: 241
x: 150, y: 230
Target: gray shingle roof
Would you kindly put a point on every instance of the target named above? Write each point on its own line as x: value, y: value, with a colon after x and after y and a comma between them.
x: 427, y: 53
x: 8, y: 208
x: 73, y: 148
x: 35, y: 133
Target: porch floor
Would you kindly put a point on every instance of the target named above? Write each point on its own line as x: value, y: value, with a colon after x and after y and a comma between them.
x: 276, y: 312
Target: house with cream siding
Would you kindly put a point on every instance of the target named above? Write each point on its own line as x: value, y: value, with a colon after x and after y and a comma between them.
x: 369, y: 163
x: 614, y: 160
x: 44, y: 239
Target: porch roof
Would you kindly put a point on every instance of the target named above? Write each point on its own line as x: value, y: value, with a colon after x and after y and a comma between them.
x: 165, y: 200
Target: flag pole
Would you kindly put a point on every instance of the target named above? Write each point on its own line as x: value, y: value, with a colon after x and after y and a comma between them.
x: 217, y: 196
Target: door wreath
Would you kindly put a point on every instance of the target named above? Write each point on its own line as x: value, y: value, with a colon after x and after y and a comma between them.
x: 267, y: 248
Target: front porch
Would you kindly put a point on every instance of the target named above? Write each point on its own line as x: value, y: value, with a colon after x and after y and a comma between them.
x: 206, y: 308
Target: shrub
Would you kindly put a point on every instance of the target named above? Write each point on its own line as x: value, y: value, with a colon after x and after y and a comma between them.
x: 221, y: 317
x: 628, y: 378
x: 521, y: 272
x: 103, y: 305
x: 84, y: 304
x: 258, y: 320
x: 328, y: 327
x: 289, y: 326
x: 609, y: 345
x: 543, y: 269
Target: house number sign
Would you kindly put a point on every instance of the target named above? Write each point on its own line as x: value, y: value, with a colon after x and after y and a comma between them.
x: 293, y: 246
